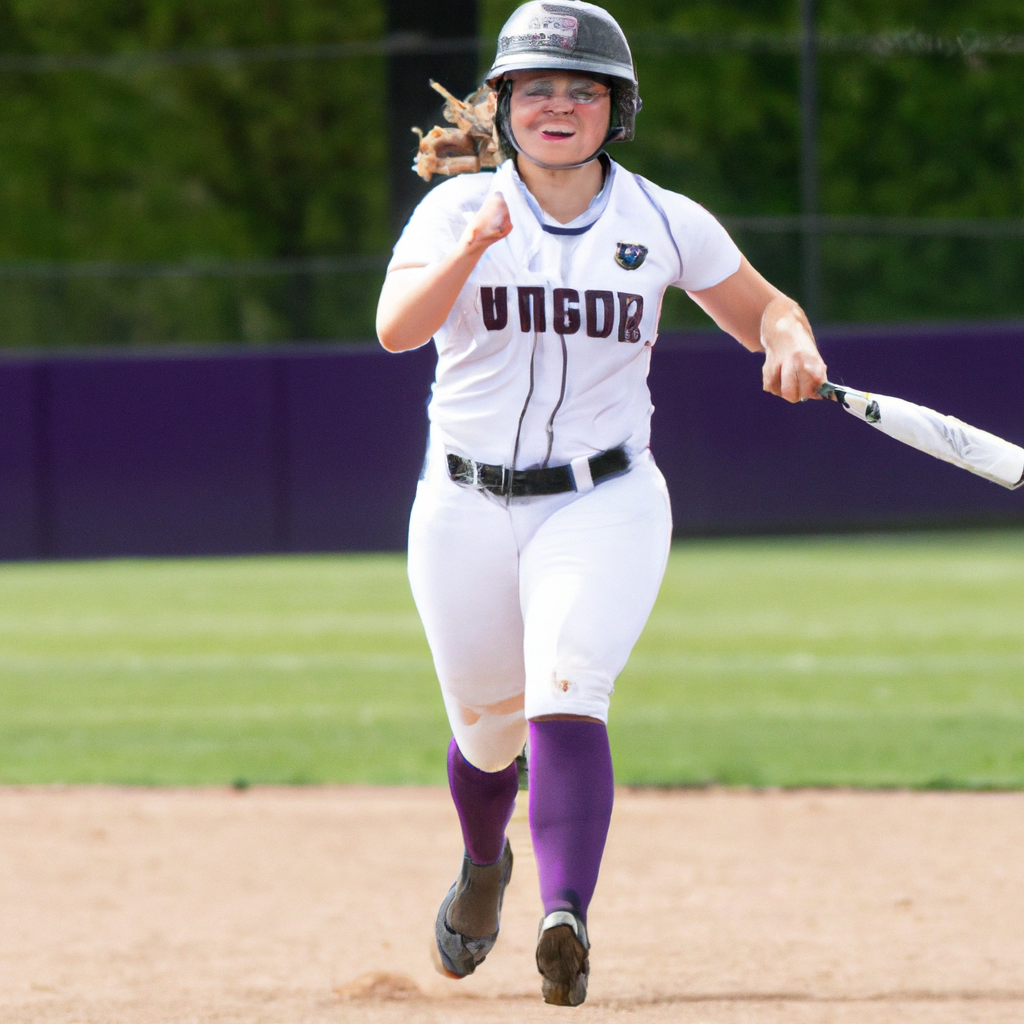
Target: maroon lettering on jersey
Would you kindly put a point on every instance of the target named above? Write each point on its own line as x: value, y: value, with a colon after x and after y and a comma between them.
x: 495, y: 307
x: 567, y: 311
x: 631, y: 312
x: 534, y: 297
x: 607, y: 320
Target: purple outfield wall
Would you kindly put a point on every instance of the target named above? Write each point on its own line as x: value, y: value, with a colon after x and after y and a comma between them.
x: 318, y: 449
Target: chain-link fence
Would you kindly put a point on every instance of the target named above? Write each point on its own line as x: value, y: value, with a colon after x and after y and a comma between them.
x: 254, y: 301
x: 860, y: 266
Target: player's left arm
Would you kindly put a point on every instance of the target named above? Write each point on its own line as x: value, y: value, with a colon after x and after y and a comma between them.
x: 762, y: 319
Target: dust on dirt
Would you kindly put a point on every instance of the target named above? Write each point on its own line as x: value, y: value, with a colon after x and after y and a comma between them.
x: 317, y: 905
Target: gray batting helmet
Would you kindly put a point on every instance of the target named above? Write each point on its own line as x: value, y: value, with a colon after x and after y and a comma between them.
x: 573, y: 35
x: 569, y: 35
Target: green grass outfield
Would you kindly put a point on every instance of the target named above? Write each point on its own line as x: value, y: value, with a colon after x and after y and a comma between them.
x: 869, y: 661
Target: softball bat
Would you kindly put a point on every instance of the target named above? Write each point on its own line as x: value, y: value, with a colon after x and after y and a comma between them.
x: 943, y: 437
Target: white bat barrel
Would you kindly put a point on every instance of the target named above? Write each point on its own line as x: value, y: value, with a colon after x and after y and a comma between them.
x: 944, y: 437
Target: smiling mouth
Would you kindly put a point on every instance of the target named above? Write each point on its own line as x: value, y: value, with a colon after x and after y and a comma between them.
x: 557, y: 134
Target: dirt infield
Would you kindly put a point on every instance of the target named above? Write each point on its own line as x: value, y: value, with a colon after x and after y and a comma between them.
x: 316, y: 905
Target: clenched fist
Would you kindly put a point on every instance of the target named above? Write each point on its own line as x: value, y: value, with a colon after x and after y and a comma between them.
x: 490, y: 224
x: 793, y: 367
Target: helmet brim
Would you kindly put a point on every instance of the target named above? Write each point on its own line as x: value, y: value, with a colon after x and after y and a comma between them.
x: 544, y: 61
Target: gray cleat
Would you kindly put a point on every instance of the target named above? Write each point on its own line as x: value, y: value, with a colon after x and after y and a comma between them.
x: 563, y: 958
x: 470, y: 915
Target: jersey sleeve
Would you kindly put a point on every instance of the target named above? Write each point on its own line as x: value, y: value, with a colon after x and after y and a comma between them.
x: 706, y: 252
x: 439, y: 220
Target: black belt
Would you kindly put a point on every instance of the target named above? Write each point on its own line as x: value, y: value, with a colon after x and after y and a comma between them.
x: 523, y: 483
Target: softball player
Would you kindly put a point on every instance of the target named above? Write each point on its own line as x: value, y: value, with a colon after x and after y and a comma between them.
x: 541, y: 526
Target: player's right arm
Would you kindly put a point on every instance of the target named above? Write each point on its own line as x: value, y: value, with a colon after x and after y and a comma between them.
x: 416, y: 300
x: 762, y: 319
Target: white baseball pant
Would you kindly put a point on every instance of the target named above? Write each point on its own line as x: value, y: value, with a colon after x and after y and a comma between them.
x: 531, y: 607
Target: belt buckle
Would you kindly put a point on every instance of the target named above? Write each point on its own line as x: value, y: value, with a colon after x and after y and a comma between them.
x: 506, y: 480
x: 465, y: 472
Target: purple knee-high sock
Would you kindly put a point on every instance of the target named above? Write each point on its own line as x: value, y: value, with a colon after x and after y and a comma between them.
x: 484, y: 801
x: 571, y: 794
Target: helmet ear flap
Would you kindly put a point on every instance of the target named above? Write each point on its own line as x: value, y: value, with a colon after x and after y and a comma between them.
x: 503, y: 117
x: 626, y: 105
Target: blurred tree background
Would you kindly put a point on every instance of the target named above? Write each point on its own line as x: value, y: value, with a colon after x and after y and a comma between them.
x: 190, y: 172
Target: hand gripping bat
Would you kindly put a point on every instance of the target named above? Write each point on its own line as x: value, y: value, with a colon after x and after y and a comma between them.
x: 944, y: 437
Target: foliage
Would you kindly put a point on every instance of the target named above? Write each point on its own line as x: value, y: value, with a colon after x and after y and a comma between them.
x: 271, y: 159
x: 286, y: 159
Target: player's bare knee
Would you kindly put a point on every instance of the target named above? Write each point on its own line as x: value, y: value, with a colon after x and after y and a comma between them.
x: 488, y: 760
x: 492, y: 742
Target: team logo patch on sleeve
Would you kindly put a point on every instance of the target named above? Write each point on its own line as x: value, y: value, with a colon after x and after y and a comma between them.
x: 629, y: 255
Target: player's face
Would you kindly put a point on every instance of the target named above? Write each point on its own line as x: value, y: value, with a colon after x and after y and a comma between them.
x: 557, y: 116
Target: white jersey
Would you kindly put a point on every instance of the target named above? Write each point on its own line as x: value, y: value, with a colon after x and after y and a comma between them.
x: 544, y: 356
